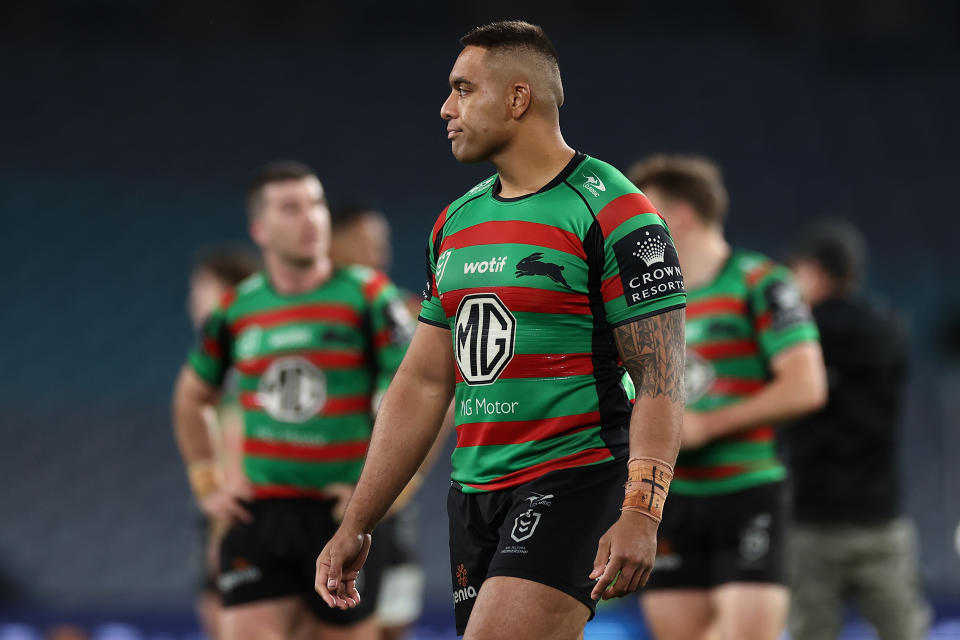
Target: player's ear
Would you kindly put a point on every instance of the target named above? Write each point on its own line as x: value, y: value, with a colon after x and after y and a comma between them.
x: 519, y: 99
x: 256, y: 231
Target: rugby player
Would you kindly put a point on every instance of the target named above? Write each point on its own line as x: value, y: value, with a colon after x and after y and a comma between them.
x: 215, y: 271
x: 313, y: 346
x: 753, y: 361
x: 545, y: 281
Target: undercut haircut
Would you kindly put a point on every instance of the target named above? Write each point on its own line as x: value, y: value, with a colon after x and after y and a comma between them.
x: 696, y: 180
x: 230, y: 264
x: 276, y: 171
x: 519, y: 36
x: 343, y: 216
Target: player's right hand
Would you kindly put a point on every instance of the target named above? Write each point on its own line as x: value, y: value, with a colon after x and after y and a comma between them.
x: 338, y: 566
x: 226, y: 505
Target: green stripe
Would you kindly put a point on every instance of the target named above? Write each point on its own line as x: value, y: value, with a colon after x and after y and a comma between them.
x: 319, y: 430
x: 308, y: 475
x: 479, y: 465
x: 727, y: 453
x: 340, y: 382
x: 726, y: 485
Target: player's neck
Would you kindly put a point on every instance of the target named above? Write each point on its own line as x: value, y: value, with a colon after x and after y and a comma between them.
x: 290, y: 279
x: 530, y: 162
x: 703, y: 252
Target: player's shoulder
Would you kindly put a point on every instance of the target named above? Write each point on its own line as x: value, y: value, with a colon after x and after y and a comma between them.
x: 600, y: 182
x: 244, y: 291
x: 369, y: 281
x: 755, y: 267
x: 471, y: 194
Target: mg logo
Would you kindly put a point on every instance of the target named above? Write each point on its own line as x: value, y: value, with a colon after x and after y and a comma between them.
x: 483, y: 338
x: 292, y: 390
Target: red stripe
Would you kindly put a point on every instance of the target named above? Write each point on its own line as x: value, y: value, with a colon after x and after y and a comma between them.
x: 611, y: 288
x: 757, y: 434
x: 726, y: 349
x: 306, y: 452
x: 228, y: 297
x: 441, y: 220
x: 544, y: 365
x: 382, y: 338
x: 333, y: 407
x: 322, y: 359
x: 212, y: 347
x: 376, y: 285
x: 516, y: 232
x: 735, y: 387
x: 763, y: 321
x: 623, y: 208
x: 524, y: 299
x: 304, y: 313
x: 757, y: 274
x: 709, y: 473
x: 578, y: 459
x: 515, y: 431
x: 716, y: 305
x: 267, y: 491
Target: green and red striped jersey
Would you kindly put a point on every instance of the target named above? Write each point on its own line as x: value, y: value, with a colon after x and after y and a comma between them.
x: 736, y: 326
x: 530, y: 288
x: 310, y: 369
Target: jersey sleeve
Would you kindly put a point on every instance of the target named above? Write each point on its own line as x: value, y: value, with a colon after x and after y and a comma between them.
x: 641, y: 270
x: 781, y: 318
x: 391, y: 327
x: 211, y: 357
x: 431, y: 311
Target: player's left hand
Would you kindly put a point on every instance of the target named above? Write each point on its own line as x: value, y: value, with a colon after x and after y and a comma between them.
x: 695, y: 431
x: 338, y: 566
x: 625, y: 556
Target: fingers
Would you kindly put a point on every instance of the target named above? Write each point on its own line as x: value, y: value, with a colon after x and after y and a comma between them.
x: 321, y: 584
x: 600, y: 560
x: 621, y: 582
x: 610, y: 573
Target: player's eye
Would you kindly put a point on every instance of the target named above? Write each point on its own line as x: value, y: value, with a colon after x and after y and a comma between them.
x: 461, y: 91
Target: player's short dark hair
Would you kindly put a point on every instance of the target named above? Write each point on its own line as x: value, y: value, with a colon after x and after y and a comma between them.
x: 696, y: 180
x: 231, y: 264
x: 511, y: 33
x: 276, y: 171
x: 344, y: 215
x: 837, y: 246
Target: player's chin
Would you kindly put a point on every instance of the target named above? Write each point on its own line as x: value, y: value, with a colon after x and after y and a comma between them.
x: 465, y: 154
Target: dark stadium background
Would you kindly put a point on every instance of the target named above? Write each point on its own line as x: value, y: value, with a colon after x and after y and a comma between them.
x: 128, y: 129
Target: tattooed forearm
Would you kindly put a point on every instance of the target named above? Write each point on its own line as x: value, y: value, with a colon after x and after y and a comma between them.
x: 652, y: 350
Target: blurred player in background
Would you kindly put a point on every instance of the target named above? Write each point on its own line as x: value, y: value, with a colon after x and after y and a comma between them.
x: 753, y: 361
x: 541, y: 280
x: 361, y: 235
x: 313, y: 346
x: 851, y: 539
x: 217, y: 270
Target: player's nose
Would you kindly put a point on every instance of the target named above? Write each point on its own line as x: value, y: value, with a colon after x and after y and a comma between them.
x: 448, y: 108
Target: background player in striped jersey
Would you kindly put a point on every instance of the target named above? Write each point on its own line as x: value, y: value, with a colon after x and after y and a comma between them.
x: 753, y: 360
x: 312, y: 346
x: 540, y: 280
x: 216, y: 270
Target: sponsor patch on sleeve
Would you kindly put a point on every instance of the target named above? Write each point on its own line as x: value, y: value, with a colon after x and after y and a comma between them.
x: 649, y: 265
x: 785, y: 305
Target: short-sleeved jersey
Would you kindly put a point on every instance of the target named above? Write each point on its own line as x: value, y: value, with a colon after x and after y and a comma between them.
x: 736, y: 326
x: 530, y: 288
x: 310, y: 369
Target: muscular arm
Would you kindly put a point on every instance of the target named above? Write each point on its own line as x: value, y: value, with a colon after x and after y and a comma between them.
x: 799, y: 386
x: 652, y: 351
x: 191, y: 397
x: 406, y: 428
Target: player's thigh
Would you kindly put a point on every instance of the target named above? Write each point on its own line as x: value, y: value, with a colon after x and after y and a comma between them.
x: 678, y: 614
x: 277, y: 619
x: 817, y: 574
x: 509, y: 607
x: 750, y: 611
x: 313, y: 629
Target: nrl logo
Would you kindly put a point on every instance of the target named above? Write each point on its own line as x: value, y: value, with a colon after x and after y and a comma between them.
x: 524, y: 525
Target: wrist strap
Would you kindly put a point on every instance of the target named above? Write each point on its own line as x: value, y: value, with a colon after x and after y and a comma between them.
x: 648, y: 481
x: 203, y: 478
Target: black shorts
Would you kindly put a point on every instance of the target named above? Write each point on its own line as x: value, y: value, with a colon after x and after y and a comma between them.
x: 707, y: 541
x: 546, y: 531
x: 276, y: 555
x: 205, y: 577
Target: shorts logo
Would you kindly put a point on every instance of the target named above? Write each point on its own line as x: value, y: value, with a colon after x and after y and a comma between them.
x: 462, y: 575
x: 242, y: 573
x: 533, y: 265
x: 755, y: 539
x: 593, y: 184
x: 484, y: 334
x: 649, y: 265
x: 524, y: 525
x: 292, y: 390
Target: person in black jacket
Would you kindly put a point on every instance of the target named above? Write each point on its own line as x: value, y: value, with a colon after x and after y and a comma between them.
x: 851, y: 540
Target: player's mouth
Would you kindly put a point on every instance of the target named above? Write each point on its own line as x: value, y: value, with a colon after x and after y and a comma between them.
x: 453, y: 133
